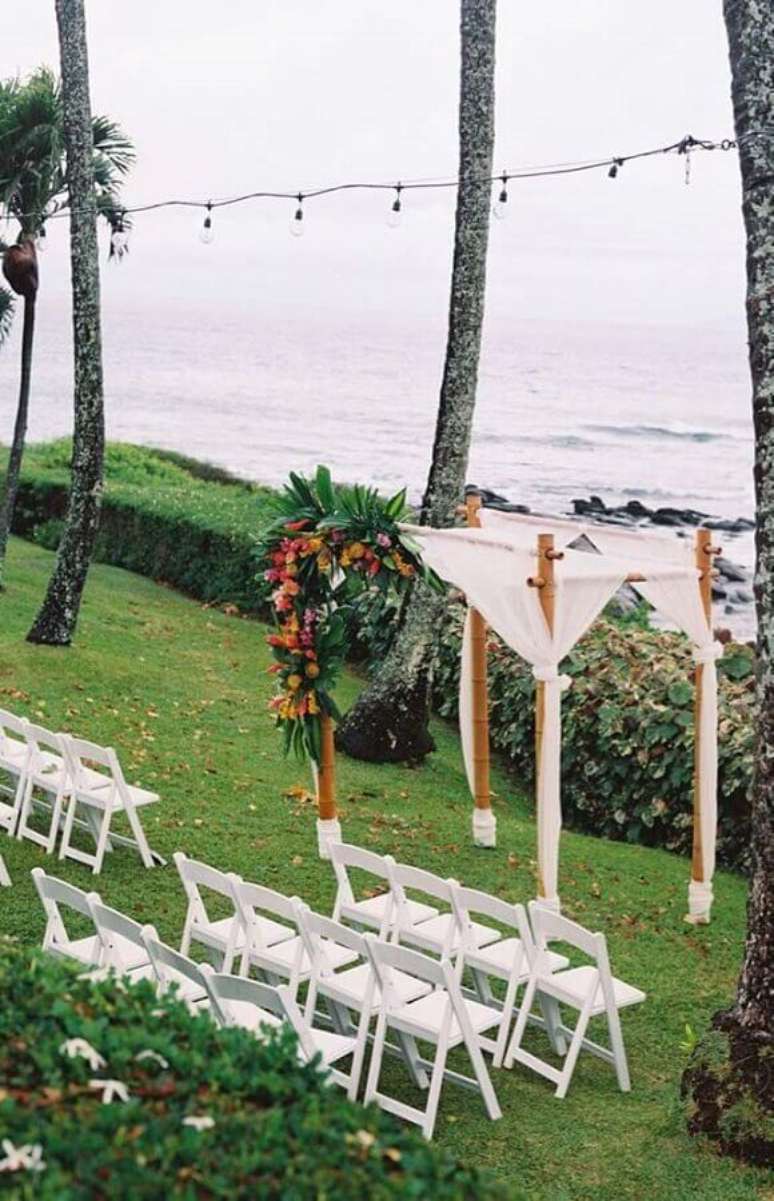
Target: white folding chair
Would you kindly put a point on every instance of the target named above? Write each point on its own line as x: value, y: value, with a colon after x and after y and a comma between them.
x: 252, y: 1004
x: 47, y: 773
x: 442, y: 934
x: 443, y: 1017
x: 98, y: 786
x: 353, y: 989
x: 174, y: 970
x: 507, y: 960
x: 14, y: 754
x: 375, y: 913
x: 53, y: 893
x: 279, y: 960
x: 5, y: 879
x: 590, y: 989
x: 225, y: 935
x: 123, y: 946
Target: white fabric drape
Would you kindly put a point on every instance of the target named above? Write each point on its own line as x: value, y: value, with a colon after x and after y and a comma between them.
x: 493, y: 575
x: 466, y: 701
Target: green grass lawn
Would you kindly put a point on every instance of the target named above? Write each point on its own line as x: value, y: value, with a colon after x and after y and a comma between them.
x: 180, y: 692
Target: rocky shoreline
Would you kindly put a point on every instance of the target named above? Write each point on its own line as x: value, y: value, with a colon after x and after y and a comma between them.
x: 732, y: 591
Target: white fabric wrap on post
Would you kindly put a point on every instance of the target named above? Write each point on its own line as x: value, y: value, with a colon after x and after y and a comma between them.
x: 493, y: 574
x: 679, y: 600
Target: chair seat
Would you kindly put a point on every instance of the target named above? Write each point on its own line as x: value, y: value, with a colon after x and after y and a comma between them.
x: 284, y: 955
x: 353, y: 982
x: 427, y: 1013
x: 576, y: 982
x: 332, y: 1047
x: 101, y: 791
x: 186, y: 989
x: 433, y: 933
x: 126, y: 955
x: 498, y: 959
x: 371, y: 912
x: 85, y: 950
x: 251, y: 1018
x: 12, y: 757
x: 218, y: 933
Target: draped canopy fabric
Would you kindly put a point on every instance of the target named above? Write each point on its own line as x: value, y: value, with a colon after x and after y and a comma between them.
x: 492, y: 566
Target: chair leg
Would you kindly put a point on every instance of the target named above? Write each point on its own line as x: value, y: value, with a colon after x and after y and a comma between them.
x: 24, y: 811
x: 139, y: 835
x: 549, y: 1007
x: 619, y: 1051
x: 99, y: 853
x: 521, y: 1022
x: 64, y: 845
x: 56, y: 817
x: 488, y: 1094
x: 359, y: 1054
x: 412, y: 1058
x: 509, y: 1005
x: 436, y: 1083
x: 377, y: 1054
x: 574, y: 1049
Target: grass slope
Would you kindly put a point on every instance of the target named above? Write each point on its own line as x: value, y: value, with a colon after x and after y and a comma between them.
x: 180, y: 692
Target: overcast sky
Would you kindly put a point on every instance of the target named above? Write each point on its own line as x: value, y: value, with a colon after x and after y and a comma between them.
x: 239, y: 95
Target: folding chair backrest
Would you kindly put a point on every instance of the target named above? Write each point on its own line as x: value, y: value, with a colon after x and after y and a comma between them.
x: 276, y: 1005
x: 195, y: 875
x: 249, y: 898
x: 548, y: 926
x: 53, y: 893
x: 111, y: 922
x: 471, y: 900
x: 343, y: 856
x: 83, y: 757
x: 387, y: 957
x: 13, y: 732
x: 316, y: 930
x: 167, y: 961
x: 406, y: 876
x: 40, y: 741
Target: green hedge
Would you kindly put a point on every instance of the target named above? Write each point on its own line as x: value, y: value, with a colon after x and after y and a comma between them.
x: 280, y: 1132
x: 627, y: 732
x: 163, y: 516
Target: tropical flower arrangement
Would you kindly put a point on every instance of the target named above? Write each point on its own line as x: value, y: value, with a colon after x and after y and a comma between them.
x: 328, y: 547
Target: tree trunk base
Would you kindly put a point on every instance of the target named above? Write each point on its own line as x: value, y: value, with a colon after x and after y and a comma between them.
x: 387, y: 727
x: 728, y: 1090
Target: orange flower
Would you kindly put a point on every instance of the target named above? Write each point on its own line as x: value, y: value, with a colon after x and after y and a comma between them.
x: 356, y: 550
x: 291, y: 588
x: 312, y: 670
x: 294, y: 683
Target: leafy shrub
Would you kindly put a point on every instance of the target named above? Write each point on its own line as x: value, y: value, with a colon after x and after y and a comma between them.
x: 279, y: 1131
x: 627, y: 732
x: 195, y: 530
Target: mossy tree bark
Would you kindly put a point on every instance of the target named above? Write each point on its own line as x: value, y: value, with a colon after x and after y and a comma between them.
x: 389, y: 722
x: 20, y: 267
x: 731, y: 1079
x: 57, y: 619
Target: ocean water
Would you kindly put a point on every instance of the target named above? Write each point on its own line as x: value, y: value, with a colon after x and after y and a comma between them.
x: 564, y: 410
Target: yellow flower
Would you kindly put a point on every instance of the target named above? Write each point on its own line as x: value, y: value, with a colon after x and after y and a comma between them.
x: 312, y: 669
x: 315, y: 544
x: 356, y: 550
x: 346, y: 558
x: 294, y: 683
x: 324, y: 560
x: 312, y: 703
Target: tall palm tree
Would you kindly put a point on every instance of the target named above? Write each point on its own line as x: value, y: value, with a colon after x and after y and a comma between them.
x: 33, y: 189
x: 730, y: 1078
x: 55, y: 623
x: 389, y: 722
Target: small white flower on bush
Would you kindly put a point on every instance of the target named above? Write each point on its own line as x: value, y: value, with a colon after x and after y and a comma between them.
x: 112, y: 1090
x: 28, y: 1158
x: 154, y: 1055
x: 199, y: 1121
x: 78, y: 1047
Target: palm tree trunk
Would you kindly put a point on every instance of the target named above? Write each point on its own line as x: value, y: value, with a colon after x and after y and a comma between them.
x: 390, y: 719
x: 730, y: 1079
x: 56, y: 621
x: 13, y: 471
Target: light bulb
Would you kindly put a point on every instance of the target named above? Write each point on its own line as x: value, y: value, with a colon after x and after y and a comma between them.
x: 395, y: 214
x: 500, y: 206
x: 297, y: 222
x: 207, y: 233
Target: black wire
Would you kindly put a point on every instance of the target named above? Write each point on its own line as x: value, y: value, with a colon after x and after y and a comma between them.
x: 682, y: 147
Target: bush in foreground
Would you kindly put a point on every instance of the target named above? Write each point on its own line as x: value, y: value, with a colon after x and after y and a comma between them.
x: 265, y: 1126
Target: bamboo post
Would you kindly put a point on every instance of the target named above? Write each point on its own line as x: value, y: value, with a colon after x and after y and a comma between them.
x: 547, y: 596
x: 703, y: 551
x: 328, y: 825
x: 484, y: 821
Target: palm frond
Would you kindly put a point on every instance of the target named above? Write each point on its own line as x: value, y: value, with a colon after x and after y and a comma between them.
x: 6, y: 313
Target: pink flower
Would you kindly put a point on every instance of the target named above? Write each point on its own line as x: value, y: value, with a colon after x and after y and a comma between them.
x: 384, y: 540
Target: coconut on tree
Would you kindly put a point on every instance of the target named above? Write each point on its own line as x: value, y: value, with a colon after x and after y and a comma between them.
x: 34, y: 189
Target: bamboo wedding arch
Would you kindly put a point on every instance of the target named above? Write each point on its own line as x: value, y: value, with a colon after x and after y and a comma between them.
x: 527, y: 579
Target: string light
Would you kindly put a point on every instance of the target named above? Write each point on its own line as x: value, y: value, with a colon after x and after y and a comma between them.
x: 395, y: 213
x: 611, y: 166
x: 207, y: 234
x: 500, y: 206
x: 297, y: 224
